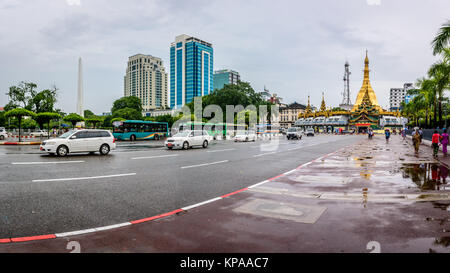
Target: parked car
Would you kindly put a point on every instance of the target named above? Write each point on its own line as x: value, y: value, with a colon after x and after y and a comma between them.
x: 3, y: 134
x: 188, y: 139
x: 245, y: 136
x: 86, y: 140
x: 310, y: 132
x: 294, y: 132
x: 39, y: 133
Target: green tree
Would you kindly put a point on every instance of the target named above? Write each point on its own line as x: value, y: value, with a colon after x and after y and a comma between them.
x: 128, y: 113
x: 22, y: 95
x: 127, y: 102
x: 233, y: 94
x: 26, y: 96
x: 19, y: 113
x: 44, y: 101
x: 442, y: 39
x: 73, y: 118
x: 88, y: 114
x: 46, y: 117
x: 94, y: 120
x: 2, y: 119
x: 440, y: 73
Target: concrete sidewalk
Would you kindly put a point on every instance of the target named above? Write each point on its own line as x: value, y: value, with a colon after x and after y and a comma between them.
x: 369, y: 193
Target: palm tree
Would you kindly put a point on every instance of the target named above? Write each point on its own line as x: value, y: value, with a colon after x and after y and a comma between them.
x: 442, y: 39
x: 440, y: 73
x: 427, y: 92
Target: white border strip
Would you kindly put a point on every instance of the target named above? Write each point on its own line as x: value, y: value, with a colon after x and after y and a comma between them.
x: 201, y: 203
x: 83, y: 178
x: 90, y: 230
x: 48, y: 162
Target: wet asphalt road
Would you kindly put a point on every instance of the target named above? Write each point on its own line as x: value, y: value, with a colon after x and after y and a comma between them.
x: 41, y: 194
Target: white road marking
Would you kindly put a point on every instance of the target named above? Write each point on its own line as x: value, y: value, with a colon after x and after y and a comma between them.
x: 201, y: 203
x: 264, y: 154
x: 83, y: 178
x: 84, y: 231
x: 214, y: 151
x: 258, y: 184
x: 48, y: 162
x: 155, y: 156
x: 205, y: 164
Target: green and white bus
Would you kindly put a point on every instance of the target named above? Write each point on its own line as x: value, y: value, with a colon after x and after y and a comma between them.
x: 140, y: 130
x: 213, y: 129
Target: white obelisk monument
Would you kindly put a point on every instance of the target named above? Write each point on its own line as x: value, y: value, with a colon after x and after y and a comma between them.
x: 80, y: 110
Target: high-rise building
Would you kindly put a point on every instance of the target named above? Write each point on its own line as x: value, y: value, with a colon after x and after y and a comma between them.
x: 146, y: 79
x: 399, y: 95
x: 225, y: 76
x: 191, y: 70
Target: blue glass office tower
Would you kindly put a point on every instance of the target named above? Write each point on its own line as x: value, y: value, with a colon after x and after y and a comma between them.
x: 225, y: 76
x: 191, y: 70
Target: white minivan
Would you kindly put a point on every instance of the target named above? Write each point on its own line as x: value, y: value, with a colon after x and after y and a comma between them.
x: 78, y: 141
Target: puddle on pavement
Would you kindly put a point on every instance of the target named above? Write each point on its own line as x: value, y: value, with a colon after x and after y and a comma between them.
x: 427, y: 176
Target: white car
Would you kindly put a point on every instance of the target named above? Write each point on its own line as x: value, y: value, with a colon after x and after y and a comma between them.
x: 309, y: 132
x: 3, y: 134
x: 79, y: 141
x: 187, y: 139
x: 245, y: 136
x: 39, y: 133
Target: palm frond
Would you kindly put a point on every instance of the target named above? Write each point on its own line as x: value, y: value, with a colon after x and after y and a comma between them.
x: 442, y: 39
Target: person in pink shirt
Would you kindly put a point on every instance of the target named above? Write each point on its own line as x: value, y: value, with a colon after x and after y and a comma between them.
x: 444, y: 142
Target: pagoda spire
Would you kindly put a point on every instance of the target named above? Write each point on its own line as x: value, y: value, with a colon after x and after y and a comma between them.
x: 323, y: 107
x: 366, y: 87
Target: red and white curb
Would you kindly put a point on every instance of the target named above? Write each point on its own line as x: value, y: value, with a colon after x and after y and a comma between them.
x: 177, y: 211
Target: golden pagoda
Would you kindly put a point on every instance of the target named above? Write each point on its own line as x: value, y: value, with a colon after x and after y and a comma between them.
x: 365, y: 113
x: 366, y: 87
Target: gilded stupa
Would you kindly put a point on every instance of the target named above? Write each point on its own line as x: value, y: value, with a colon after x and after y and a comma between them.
x: 365, y: 113
x: 366, y: 87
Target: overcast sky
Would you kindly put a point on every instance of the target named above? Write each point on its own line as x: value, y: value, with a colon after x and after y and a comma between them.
x: 294, y: 48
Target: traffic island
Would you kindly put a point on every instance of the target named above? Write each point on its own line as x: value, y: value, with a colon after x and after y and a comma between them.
x: 20, y: 143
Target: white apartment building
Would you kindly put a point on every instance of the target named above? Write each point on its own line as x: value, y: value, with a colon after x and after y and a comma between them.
x: 397, y: 96
x: 146, y: 79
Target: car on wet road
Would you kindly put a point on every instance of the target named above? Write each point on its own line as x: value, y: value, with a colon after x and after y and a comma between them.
x: 294, y: 133
x: 309, y: 132
x: 245, y: 136
x: 3, y: 134
x: 187, y: 139
x: 79, y: 141
x: 39, y: 133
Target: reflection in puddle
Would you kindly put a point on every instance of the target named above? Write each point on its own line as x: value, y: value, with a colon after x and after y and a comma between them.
x: 427, y: 176
x: 444, y: 241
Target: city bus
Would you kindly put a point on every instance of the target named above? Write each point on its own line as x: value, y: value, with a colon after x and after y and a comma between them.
x: 140, y: 130
x: 213, y: 129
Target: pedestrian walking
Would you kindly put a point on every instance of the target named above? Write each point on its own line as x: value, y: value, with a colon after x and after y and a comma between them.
x: 421, y: 134
x: 387, y: 133
x: 416, y: 140
x: 444, y: 142
x: 404, y: 134
x: 435, y: 139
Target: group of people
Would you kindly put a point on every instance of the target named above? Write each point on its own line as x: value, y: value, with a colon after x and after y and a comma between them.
x: 436, y: 141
